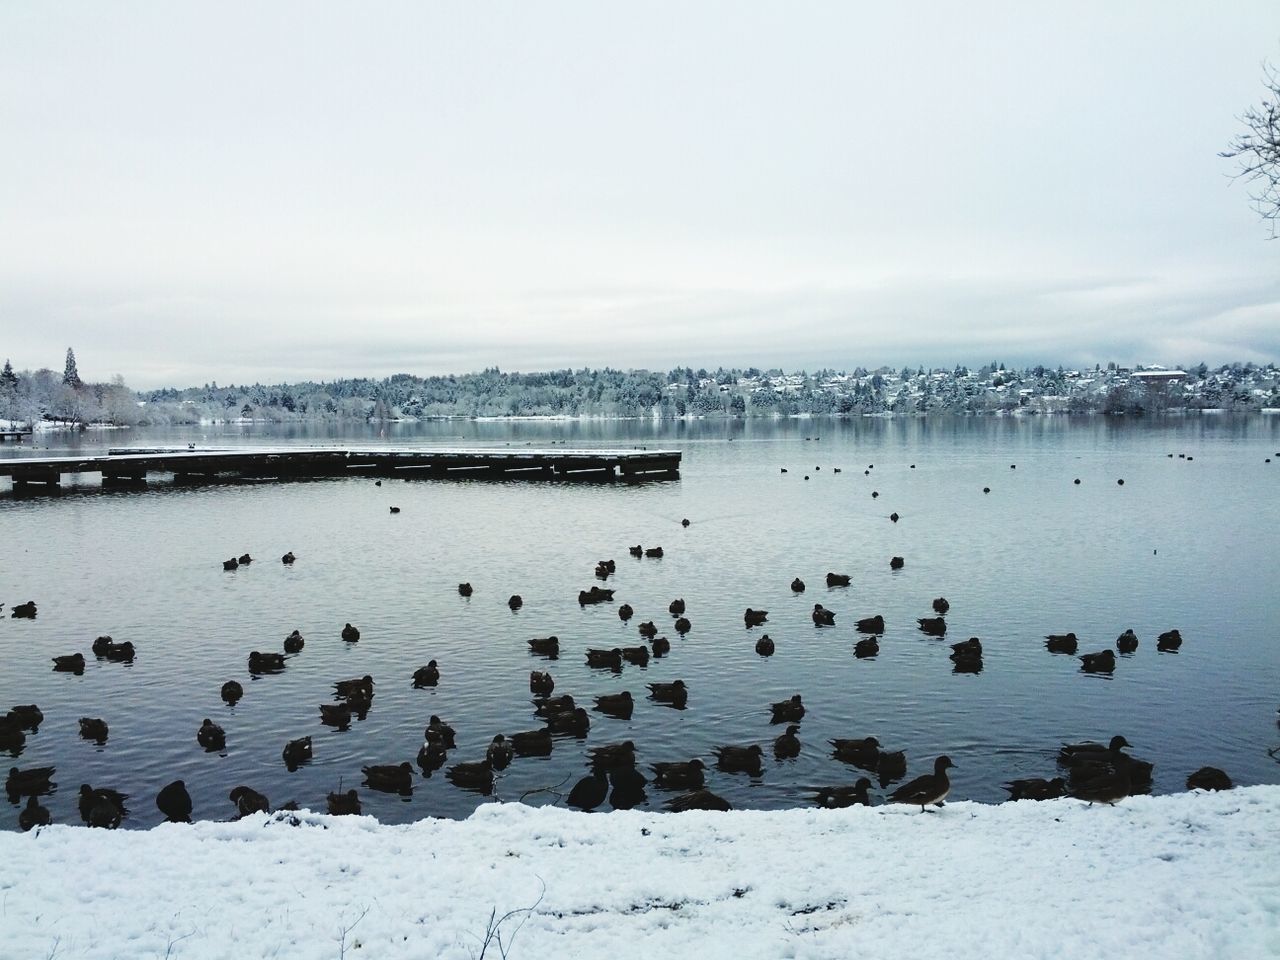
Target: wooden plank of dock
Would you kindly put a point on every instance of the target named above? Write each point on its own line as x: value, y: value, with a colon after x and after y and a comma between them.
x: 134, y: 466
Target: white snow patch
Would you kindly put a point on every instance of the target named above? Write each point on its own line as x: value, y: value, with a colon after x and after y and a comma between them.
x: 1188, y: 876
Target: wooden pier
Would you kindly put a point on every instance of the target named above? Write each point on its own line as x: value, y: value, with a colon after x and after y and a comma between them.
x: 25, y: 433
x: 125, y: 466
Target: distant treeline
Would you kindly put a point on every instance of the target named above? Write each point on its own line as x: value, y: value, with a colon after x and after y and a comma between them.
x: 680, y: 392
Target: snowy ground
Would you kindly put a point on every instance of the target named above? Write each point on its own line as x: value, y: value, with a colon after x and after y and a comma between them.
x: 1187, y: 876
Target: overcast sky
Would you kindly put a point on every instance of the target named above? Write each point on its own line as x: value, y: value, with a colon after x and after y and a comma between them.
x: 250, y: 191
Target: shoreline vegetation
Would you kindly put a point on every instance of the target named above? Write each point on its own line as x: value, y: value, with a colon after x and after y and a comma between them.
x: 43, y: 399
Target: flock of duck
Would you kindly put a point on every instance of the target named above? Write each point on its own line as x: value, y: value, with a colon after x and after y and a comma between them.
x: 1093, y: 772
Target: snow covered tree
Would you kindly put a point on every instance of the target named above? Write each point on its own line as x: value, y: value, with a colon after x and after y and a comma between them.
x: 69, y: 374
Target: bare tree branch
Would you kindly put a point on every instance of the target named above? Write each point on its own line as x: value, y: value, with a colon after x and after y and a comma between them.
x: 1258, y: 151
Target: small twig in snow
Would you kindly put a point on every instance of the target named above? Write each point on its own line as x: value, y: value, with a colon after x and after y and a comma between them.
x: 342, y: 939
x: 493, y: 932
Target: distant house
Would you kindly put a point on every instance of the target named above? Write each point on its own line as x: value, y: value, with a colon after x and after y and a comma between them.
x: 1158, y: 376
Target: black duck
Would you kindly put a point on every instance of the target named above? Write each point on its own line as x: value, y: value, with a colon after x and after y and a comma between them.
x: 787, y: 711
x: 681, y: 776
x: 174, y: 802
x: 931, y: 788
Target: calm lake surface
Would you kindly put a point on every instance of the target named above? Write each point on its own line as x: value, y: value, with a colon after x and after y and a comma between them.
x: 1186, y: 543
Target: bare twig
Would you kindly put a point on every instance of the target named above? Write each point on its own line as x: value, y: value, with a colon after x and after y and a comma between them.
x: 168, y: 951
x: 493, y: 931
x: 342, y: 939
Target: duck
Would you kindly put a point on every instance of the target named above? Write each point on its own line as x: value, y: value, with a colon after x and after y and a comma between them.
x: 1089, y: 751
x: 1104, y: 661
x: 34, y: 815
x: 866, y: 648
x: 174, y: 802
x: 30, y: 782
x: 738, y: 759
x: 609, y: 565
x: 1109, y: 786
x: 288, y: 558
x: 787, y: 710
x: 1127, y: 642
x: 628, y: 788
x: 941, y: 606
x: 675, y: 692
x: 211, y: 736
x: 787, y: 745
x: 618, y: 705
x: 606, y: 659
x: 24, y: 611
x: 893, y: 517
x: 822, y: 617
x: 343, y: 804
x: 681, y: 775
x: 636, y: 551
x: 296, y: 752
x: 545, y: 646
x: 625, y: 612
x: 797, y: 585
x: 1209, y: 778
x: 575, y: 721
x: 265, y: 662
x: 594, y: 595
x: 500, y: 753
x: 837, y: 798
x: 94, y: 728
x: 838, y: 579
x: 101, y: 645
x: 891, y: 766
x: 28, y: 716
x: 685, y: 522
x: 864, y: 752
x: 602, y: 571
x: 120, y: 652
x: 683, y: 625
x: 1168, y: 641
x: 294, y: 642
x: 12, y: 737
x: 428, y: 676
x: 472, y: 776
x: 765, y: 646
x: 1036, y: 788
x: 966, y: 649
x: 698, y: 800
x: 356, y: 686
x: 541, y: 683
x: 1061, y: 643
x: 244, y: 559
x: 515, y: 601
x: 638, y: 656
x: 753, y: 618
x: 532, y: 743
x: 931, y: 788
x: 464, y: 590
x: 932, y: 626
x: 389, y: 778
x: 336, y: 715
x: 610, y: 755
x: 589, y: 792
x: 70, y: 663
x: 439, y: 731
x: 248, y: 801
x: 432, y: 756
x: 648, y: 629
x: 102, y: 807
x: 661, y: 646
x: 896, y: 563
x: 350, y: 634
x: 870, y: 624
x: 654, y: 553
x: 553, y: 705
x: 231, y: 564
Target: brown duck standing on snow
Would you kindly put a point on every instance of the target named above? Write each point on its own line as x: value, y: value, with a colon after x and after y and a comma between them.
x: 932, y: 788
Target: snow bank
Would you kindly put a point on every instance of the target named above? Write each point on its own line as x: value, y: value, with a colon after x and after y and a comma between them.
x: 1187, y: 876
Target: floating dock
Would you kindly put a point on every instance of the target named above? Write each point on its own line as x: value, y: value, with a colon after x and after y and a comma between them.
x: 130, y: 466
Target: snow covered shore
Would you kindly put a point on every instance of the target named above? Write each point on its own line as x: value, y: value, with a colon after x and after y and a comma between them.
x: 1189, y: 876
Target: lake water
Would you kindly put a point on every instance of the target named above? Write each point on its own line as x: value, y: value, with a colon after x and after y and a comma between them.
x: 1187, y: 543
